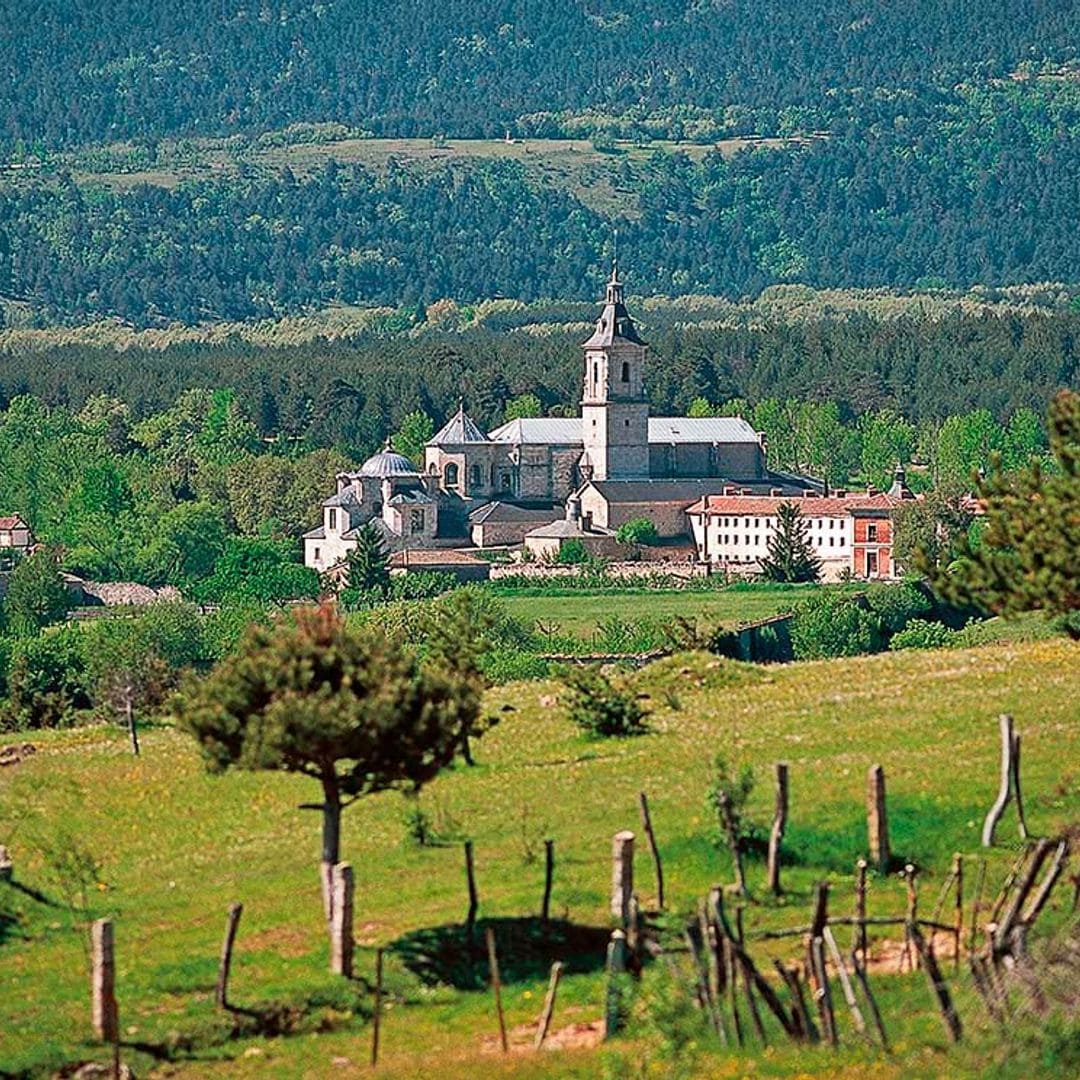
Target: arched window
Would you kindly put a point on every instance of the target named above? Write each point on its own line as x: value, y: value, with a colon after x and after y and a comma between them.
x: 625, y: 372
x: 451, y: 475
x: 474, y: 476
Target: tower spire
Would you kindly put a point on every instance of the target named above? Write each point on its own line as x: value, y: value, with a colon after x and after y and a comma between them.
x: 615, y: 256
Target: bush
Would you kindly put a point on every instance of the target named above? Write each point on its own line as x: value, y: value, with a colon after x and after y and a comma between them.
x: 830, y: 624
x: 921, y: 634
x: 896, y: 605
x: 600, y: 708
x: 573, y: 553
x: 637, y: 531
x: 47, y: 680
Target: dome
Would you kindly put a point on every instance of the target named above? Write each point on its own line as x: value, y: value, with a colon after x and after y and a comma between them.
x: 388, y: 463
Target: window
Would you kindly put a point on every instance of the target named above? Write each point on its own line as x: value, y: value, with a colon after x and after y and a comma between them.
x: 625, y: 372
x: 333, y: 520
x: 474, y: 476
x: 596, y: 374
x: 832, y: 541
x: 871, y: 533
x: 318, y: 554
x: 505, y: 481
x: 416, y: 522
x: 451, y: 475
x: 626, y: 423
x: 871, y: 564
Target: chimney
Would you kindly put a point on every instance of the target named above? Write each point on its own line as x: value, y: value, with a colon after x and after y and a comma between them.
x: 573, y: 508
x: 728, y: 489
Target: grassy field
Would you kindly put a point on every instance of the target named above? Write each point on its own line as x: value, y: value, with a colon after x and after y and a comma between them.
x: 176, y: 846
x: 573, y: 164
x: 580, y: 612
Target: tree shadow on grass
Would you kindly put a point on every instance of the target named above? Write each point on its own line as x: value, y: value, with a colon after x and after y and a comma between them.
x: 446, y: 955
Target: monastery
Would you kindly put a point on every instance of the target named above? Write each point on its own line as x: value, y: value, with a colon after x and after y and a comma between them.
x: 543, y: 481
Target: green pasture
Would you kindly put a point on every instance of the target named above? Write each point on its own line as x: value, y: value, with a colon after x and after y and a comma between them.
x: 176, y: 846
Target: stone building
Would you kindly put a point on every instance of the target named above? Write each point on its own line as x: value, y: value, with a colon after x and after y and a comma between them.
x: 387, y: 491
x: 538, y: 463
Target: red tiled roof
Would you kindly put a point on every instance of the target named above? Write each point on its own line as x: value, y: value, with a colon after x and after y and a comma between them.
x: 828, y: 506
x: 13, y: 522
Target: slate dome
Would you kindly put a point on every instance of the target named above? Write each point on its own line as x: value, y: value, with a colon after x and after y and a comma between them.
x: 388, y: 463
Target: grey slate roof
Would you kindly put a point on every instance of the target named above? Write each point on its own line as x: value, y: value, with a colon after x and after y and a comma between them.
x: 413, y: 497
x: 614, y: 324
x: 388, y: 463
x: 507, y: 511
x: 315, y: 534
x: 561, y: 431
x: 346, y: 499
x: 563, y: 529
x: 459, y: 431
x: 674, y: 491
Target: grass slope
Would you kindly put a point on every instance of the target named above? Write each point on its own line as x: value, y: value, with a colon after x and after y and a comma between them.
x: 176, y: 846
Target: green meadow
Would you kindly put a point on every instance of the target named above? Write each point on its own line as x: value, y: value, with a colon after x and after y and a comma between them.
x: 175, y: 846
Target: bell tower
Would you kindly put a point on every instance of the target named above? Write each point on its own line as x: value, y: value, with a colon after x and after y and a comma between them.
x: 614, y: 412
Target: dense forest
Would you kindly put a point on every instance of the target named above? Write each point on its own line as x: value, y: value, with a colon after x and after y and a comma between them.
x: 946, y: 138
x: 979, y: 191
x: 352, y: 393
x: 79, y: 71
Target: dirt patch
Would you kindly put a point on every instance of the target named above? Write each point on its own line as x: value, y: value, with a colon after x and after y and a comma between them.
x: 585, y: 1034
x: 288, y: 941
x: 887, y: 956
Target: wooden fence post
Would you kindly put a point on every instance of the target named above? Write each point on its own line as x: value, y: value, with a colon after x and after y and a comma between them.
x: 104, y: 1011
x: 549, y: 1005
x: 860, y: 909
x: 1017, y: 793
x: 622, y: 875
x: 616, y: 966
x: 937, y: 983
x: 221, y: 995
x: 7, y: 867
x: 376, y: 1016
x: 958, y: 909
x: 877, y: 820
x: 1008, y: 747
x: 341, y: 931
x: 549, y: 877
x: 728, y: 816
x: 776, y: 835
x: 907, y: 952
x: 646, y: 825
x: 496, y: 986
x: 815, y: 963
x: 470, y: 879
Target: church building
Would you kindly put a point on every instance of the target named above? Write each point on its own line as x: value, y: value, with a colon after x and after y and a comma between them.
x: 620, y: 461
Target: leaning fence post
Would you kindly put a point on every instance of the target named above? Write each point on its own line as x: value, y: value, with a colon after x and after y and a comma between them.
x: 776, y: 836
x: 876, y: 818
x: 232, y: 922
x: 958, y: 910
x: 549, y: 1005
x: 104, y: 1011
x: 1008, y: 746
x: 622, y: 875
x: 341, y: 931
x: 937, y: 983
x: 496, y: 986
x: 616, y: 966
x: 646, y: 825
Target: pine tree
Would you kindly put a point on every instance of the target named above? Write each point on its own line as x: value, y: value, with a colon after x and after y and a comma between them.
x: 1026, y: 556
x: 790, y: 556
x: 368, y: 566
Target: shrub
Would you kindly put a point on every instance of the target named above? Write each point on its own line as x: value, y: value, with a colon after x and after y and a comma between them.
x: 600, y: 708
x: 738, y: 786
x: 572, y: 553
x: 921, y: 634
x: 47, y: 680
x: 638, y: 530
x: 896, y: 605
x: 829, y: 624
